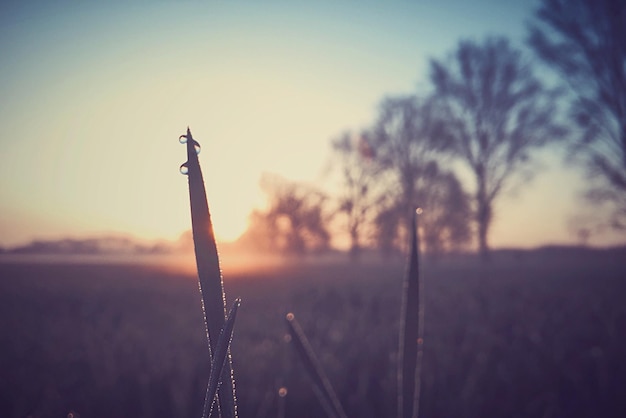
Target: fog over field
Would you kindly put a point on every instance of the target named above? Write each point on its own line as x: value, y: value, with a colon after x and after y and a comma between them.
x: 532, y: 334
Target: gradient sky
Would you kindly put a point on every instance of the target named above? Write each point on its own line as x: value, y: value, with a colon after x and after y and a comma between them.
x: 95, y: 94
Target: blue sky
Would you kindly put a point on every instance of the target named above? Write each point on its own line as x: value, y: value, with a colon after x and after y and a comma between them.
x: 94, y: 96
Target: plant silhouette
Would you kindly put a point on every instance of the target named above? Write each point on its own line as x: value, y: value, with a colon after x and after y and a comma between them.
x: 209, y: 274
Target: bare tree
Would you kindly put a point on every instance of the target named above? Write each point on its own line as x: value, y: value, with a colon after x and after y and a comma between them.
x: 407, y: 142
x: 403, y: 142
x: 357, y: 201
x: 497, y: 113
x: 585, y: 41
x: 444, y: 219
x: 446, y: 215
x: 294, y: 222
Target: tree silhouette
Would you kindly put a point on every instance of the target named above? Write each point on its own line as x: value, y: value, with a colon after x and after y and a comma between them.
x: 585, y: 41
x: 444, y: 220
x: 407, y: 142
x: 294, y: 222
x: 496, y: 112
x: 446, y: 213
x: 357, y: 199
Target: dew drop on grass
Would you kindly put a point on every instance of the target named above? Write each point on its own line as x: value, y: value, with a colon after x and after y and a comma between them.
x: 290, y: 316
x: 184, y: 169
x: 419, y: 211
x: 196, y: 147
x: 282, y: 392
x: 182, y: 139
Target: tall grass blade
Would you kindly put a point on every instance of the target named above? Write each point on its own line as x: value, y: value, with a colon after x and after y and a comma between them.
x: 219, y: 360
x: 209, y: 273
x: 323, y: 389
x: 409, y: 363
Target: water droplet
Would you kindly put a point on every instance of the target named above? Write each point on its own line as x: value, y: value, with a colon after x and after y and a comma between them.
x: 282, y: 392
x: 419, y: 211
x: 182, y: 139
x: 184, y: 169
x: 287, y: 338
x: 196, y: 146
x: 290, y: 316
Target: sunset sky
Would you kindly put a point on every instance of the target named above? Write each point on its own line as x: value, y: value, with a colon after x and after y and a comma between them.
x: 95, y: 94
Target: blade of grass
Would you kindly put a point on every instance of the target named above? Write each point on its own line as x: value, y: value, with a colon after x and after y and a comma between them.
x: 409, y: 364
x: 323, y: 389
x: 209, y: 273
x: 219, y: 360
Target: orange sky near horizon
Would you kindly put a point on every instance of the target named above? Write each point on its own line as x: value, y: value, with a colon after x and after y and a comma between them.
x: 95, y: 96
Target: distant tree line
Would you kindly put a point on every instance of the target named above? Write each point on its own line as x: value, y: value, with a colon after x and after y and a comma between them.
x: 295, y: 221
x: 488, y: 112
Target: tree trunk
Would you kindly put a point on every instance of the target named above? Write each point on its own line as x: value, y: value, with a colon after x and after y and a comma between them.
x: 355, y: 247
x: 483, y: 246
x: 483, y: 217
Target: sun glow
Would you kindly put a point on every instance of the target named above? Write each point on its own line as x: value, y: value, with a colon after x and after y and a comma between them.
x: 229, y: 228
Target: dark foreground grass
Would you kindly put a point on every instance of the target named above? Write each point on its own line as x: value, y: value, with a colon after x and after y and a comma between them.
x: 526, y: 337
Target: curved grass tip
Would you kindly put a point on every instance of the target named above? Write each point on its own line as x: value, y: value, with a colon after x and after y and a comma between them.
x: 321, y: 384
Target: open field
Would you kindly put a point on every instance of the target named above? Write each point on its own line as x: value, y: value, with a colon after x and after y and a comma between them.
x: 531, y: 335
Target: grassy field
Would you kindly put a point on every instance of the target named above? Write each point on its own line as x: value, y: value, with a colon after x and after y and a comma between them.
x: 530, y: 335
